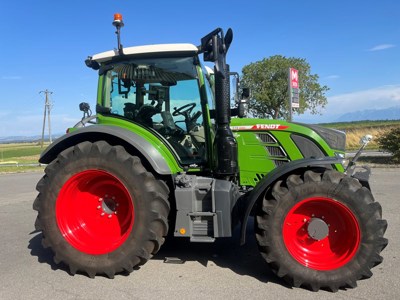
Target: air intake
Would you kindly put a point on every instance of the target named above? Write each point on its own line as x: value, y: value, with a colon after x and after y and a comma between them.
x: 267, y: 138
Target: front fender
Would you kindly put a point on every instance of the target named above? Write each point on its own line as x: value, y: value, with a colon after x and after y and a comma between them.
x: 273, y: 176
x: 115, y: 136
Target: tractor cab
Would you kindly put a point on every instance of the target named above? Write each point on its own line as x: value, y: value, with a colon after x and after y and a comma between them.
x: 160, y: 88
x: 165, y: 90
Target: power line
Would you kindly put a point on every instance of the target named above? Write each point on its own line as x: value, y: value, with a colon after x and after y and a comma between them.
x: 48, y: 105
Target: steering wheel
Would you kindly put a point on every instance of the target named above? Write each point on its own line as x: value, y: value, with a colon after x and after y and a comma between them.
x: 184, y: 110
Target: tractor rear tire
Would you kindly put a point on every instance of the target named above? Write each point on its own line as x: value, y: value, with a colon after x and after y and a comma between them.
x: 320, y: 230
x: 100, y: 210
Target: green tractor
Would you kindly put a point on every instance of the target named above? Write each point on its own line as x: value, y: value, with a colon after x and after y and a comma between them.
x: 166, y: 153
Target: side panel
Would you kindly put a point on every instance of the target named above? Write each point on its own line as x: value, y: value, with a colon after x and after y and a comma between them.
x: 267, y: 144
x: 204, y: 207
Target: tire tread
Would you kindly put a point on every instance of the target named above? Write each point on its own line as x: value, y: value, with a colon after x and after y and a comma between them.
x: 159, y: 208
x: 268, y: 236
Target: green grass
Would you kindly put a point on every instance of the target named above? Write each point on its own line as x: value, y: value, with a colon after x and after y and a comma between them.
x: 14, y: 156
x: 345, y: 126
x: 20, y: 169
x: 13, y: 152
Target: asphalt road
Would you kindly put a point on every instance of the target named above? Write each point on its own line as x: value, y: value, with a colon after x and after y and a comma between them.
x: 222, y: 270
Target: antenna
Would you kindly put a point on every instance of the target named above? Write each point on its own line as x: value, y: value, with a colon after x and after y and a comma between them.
x: 118, y: 23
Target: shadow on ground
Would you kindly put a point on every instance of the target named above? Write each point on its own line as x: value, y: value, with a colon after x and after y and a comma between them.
x: 224, y: 252
x: 44, y: 255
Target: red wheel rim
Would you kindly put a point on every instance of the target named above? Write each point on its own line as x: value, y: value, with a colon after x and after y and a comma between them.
x: 94, y: 212
x: 329, y: 252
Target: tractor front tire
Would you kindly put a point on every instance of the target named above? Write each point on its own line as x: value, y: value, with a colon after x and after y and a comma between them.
x: 100, y: 210
x: 320, y: 230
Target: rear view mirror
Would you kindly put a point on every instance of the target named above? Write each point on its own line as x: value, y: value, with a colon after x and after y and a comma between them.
x: 242, y: 105
x: 245, y: 93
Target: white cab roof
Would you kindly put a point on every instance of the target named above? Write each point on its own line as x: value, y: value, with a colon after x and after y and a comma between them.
x: 160, y: 48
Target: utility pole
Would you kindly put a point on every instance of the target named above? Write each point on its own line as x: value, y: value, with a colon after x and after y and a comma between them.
x: 47, y: 108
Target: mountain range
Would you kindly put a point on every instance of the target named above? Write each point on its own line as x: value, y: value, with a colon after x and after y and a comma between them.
x: 391, y: 113
x: 25, y: 139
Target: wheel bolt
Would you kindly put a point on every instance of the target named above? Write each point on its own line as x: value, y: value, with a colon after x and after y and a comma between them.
x: 109, y: 216
x: 100, y: 199
x: 98, y: 207
x: 115, y: 212
x: 102, y: 214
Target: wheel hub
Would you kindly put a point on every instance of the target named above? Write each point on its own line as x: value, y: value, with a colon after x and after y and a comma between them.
x: 321, y: 233
x: 95, y: 212
x: 317, y: 229
x: 108, y: 205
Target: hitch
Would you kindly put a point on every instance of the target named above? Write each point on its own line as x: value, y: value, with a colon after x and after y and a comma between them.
x: 352, y: 163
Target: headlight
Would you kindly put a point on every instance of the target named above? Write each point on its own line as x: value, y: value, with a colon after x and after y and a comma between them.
x: 341, y: 156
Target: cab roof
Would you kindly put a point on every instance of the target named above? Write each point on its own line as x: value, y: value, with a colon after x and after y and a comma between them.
x: 188, y: 49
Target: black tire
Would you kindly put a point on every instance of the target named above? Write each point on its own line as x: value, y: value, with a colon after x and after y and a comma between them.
x: 64, y: 204
x: 352, y: 227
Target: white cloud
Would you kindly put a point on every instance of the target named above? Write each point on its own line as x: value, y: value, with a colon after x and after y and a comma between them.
x: 332, y: 77
x: 375, y: 98
x: 4, y: 113
x: 8, y: 77
x: 381, y: 47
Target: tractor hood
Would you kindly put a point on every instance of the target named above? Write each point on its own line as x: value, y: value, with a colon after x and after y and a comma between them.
x: 336, y: 139
x: 326, y: 138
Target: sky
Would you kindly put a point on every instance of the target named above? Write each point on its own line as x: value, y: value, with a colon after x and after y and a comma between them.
x: 354, y: 47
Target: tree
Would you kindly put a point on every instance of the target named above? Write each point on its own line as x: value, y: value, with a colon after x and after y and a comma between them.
x: 268, y: 83
x: 390, y: 141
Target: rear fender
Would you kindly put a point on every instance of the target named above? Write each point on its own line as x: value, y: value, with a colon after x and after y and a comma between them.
x: 134, y: 143
x: 275, y: 175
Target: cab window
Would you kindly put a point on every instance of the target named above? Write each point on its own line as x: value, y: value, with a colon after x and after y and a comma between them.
x: 161, y: 95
